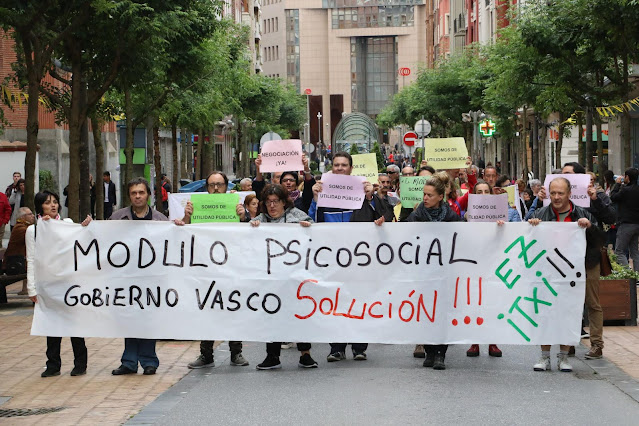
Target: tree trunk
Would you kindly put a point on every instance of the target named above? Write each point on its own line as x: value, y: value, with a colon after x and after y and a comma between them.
x: 524, y: 143
x: 96, y: 127
x: 33, y: 125
x: 536, y: 154
x: 589, y: 146
x: 209, y: 163
x: 84, y: 189
x: 602, y: 167
x: 189, y: 155
x: 200, y: 152
x: 184, y: 174
x: 625, y: 120
x: 75, y: 134
x: 581, y: 149
x: 543, y: 152
x: 175, y: 171
x: 128, y: 149
x: 158, y: 167
x: 560, y: 141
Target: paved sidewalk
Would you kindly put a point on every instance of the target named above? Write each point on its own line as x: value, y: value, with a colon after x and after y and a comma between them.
x: 97, y: 397
x: 101, y: 397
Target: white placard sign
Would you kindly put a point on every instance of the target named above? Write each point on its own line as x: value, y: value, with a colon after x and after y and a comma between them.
x: 578, y: 188
x: 396, y: 283
x: 487, y: 208
x: 341, y: 191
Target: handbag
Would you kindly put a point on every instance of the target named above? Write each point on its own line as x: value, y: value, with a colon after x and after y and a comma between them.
x: 605, y: 267
x: 15, y: 265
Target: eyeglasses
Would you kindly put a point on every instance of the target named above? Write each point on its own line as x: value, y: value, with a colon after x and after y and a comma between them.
x: 216, y: 185
x: 272, y: 202
x: 392, y: 173
x: 287, y: 180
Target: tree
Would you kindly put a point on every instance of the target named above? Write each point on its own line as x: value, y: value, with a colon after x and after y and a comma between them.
x: 381, y: 165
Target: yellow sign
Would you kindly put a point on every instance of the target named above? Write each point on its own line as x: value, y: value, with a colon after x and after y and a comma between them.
x: 446, y: 153
x: 365, y: 165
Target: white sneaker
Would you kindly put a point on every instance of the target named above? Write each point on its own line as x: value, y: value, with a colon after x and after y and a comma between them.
x: 562, y: 363
x: 543, y: 364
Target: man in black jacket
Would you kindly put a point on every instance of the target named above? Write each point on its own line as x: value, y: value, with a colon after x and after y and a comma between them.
x: 109, y: 194
x: 627, y: 198
x: 561, y: 209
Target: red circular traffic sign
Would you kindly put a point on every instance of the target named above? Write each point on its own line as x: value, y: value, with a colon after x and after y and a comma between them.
x: 404, y: 71
x: 410, y: 138
x: 307, y: 92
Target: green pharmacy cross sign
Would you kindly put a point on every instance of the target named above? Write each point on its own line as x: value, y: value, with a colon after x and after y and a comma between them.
x: 487, y: 128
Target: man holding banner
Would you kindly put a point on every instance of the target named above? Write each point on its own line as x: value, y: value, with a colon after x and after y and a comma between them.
x: 562, y: 209
x: 217, y: 183
x: 140, y: 351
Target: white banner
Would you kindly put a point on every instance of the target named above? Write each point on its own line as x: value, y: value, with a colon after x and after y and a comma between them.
x: 356, y: 282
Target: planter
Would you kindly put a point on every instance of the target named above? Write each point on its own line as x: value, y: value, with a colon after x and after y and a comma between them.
x: 618, y: 300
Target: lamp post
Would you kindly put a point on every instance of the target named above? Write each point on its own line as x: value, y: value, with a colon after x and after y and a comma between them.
x: 475, y: 117
x: 319, y: 130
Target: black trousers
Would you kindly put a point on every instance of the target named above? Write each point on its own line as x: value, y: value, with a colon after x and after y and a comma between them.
x: 275, y: 348
x: 53, y: 352
x: 435, y: 349
x: 108, y: 210
x: 206, y: 348
x: 341, y: 347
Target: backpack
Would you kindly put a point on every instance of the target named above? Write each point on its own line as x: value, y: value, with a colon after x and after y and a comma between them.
x: 165, y: 195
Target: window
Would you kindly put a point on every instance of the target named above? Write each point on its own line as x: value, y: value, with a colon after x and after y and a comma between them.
x: 373, y: 16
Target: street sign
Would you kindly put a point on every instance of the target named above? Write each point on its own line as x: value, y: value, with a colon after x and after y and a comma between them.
x: 269, y: 136
x: 410, y: 138
x: 487, y: 128
x: 422, y: 128
x: 307, y: 91
x: 404, y: 71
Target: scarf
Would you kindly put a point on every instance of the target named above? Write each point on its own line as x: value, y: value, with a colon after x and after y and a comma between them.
x: 435, y: 214
x: 294, y: 195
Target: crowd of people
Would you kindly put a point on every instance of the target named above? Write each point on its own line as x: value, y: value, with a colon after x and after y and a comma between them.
x: 292, y: 197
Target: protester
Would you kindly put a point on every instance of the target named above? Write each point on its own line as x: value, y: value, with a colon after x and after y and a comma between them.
x: 217, y: 183
x: 434, y: 209
x: 290, y: 181
x: 483, y: 188
x: 246, y: 184
x: 625, y: 194
x: 166, y: 190
x: 15, y: 257
x: 109, y: 195
x: 561, y: 209
x: 16, y: 200
x: 14, y: 185
x: 140, y: 351
x: 393, y: 172
x: 47, y: 205
x: 252, y: 204
x: 277, y: 207
x: 259, y: 183
x: 372, y: 209
x: 490, y: 175
x: 603, y: 212
x: 426, y: 171
x: 609, y: 181
x: 503, y: 182
x: 5, y: 215
x: 384, y: 187
x: 408, y: 171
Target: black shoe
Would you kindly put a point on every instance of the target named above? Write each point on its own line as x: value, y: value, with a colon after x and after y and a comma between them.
x: 50, y: 373
x: 270, y: 363
x: 430, y: 359
x: 79, y: 371
x: 121, y: 370
x: 438, y: 362
x: 307, y: 362
x: 150, y: 370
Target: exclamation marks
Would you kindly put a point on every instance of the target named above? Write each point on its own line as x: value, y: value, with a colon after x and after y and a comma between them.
x: 572, y: 283
x: 467, y: 319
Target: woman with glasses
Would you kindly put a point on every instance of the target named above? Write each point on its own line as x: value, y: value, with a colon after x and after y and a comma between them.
x: 301, y: 199
x: 277, y: 207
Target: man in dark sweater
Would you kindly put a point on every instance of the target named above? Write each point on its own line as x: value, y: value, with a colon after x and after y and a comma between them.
x: 626, y: 195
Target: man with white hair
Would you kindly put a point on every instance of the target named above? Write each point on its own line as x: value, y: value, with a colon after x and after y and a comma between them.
x: 535, y: 186
x: 246, y: 184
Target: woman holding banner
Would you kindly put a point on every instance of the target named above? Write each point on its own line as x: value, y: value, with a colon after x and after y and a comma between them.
x: 47, y: 205
x: 277, y: 207
x: 434, y: 209
x: 483, y: 188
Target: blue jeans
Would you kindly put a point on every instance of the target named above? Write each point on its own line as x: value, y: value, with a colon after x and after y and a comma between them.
x: 139, y: 350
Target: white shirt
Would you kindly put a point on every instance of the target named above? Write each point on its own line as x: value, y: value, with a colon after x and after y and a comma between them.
x: 106, y: 192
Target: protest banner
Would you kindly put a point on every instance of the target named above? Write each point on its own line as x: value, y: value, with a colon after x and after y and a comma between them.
x: 177, y: 202
x: 578, y: 188
x: 513, y: 198
x: 282, y: 156
x: 341, y: 191
x: 365, y: 165
x: 397, y: 283
x: 446, y: 153
x: 214, y: 208
x: 487, y: 208
x: 411, y: 190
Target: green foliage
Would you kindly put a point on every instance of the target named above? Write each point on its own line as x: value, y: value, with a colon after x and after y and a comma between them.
x: 47, y: 182
x: 353, y: 150
x: 379, y: 157
x: 620, y: 272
